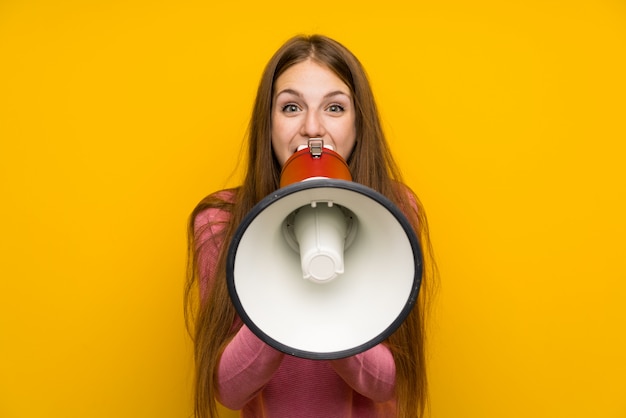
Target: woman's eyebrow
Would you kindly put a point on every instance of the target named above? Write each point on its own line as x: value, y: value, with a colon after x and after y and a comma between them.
x: 337, y: 93
x: 289, y: 91
x: 326, y: 96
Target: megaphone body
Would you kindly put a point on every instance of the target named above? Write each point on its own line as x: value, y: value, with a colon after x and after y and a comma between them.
x: 323, y: 268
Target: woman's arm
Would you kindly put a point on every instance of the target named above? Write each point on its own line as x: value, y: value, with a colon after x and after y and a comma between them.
x: 247, y: 363
x: 245, y: 367
x: 371, y: 373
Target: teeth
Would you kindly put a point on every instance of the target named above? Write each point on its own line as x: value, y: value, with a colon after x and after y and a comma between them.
x: 301, y: 147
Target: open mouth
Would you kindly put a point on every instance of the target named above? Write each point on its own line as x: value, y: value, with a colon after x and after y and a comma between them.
x: 305, y: 146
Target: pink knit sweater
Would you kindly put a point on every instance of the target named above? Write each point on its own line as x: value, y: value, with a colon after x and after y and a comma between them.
x: 263, y: 382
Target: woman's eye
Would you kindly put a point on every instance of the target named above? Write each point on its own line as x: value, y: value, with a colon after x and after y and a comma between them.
x: 290, y: 108
x: 335, y: 108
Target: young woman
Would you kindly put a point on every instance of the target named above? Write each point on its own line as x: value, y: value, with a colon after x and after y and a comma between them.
x: 312, y: 87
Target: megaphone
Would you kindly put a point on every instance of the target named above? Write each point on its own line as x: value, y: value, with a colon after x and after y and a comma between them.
x: 323, y: 268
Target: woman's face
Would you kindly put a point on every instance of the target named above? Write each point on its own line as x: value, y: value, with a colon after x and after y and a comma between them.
x: 310, y: 101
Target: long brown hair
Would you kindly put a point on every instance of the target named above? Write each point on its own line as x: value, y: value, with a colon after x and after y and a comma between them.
x: 211, y: 321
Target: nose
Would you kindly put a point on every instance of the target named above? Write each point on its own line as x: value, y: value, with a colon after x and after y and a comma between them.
x: 312, y: 126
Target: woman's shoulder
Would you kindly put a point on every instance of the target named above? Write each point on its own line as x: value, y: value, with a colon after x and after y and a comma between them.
x: 226, y: 195
x: 402, y: 187
x: 215, y: 208
x: 404, y: 192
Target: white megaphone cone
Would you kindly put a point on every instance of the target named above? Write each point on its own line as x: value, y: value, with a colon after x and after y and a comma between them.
x: 323, y: 268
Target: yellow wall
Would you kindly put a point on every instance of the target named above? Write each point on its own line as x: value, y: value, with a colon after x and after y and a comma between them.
x: 116, y: 117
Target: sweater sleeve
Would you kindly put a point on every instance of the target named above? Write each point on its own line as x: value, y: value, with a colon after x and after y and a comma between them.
x: 371, y: 373
x: 208, y: 227
x: 246, y: 365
